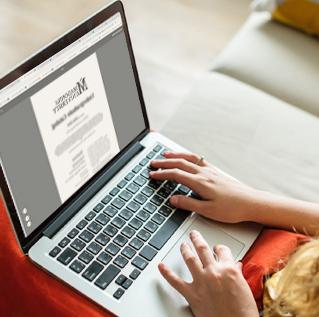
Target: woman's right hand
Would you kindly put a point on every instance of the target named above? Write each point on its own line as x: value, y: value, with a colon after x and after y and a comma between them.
x: 222, y: 198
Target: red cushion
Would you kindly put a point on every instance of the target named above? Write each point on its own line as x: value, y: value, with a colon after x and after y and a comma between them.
x: 26, y: 290
x: 267, y: 255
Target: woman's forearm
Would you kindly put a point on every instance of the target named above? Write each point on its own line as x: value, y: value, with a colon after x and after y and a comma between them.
x: 282, y: 212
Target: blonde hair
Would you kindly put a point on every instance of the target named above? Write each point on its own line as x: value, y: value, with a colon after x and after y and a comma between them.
x: 297, y: 292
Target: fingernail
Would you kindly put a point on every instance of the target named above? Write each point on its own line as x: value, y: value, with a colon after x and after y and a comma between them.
x: 173, y: 200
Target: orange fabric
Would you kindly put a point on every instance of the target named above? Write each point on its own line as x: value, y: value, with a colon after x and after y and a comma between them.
x: 26, y: 290
x: 268, y: 255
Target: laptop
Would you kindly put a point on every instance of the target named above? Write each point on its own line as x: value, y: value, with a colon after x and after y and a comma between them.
x: 75, y: 152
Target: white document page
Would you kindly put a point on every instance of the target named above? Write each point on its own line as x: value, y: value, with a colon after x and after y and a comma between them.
x: 76, y: 126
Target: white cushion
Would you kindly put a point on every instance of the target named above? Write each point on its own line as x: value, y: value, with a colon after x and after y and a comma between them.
x: 255, y: 137
x: 275, y: 58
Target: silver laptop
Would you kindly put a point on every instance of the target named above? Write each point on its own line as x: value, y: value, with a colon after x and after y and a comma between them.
x: 75, y: 152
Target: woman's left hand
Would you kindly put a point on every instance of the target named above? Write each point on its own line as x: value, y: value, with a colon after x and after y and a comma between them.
x: 218, y: 288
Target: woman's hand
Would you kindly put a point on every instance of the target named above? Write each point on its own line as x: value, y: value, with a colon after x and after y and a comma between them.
x: 223, y: 198
x: 218, y: 288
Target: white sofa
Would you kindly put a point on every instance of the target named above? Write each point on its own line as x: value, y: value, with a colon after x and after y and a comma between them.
x: 255, y: 115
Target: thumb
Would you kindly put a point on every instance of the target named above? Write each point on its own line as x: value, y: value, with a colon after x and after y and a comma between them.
x: 187, y: 203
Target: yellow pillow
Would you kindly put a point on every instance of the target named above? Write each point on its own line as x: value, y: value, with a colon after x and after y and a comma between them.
x: 300, y: 14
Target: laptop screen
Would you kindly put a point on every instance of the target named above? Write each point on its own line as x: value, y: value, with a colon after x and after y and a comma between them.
x: 66, y: 119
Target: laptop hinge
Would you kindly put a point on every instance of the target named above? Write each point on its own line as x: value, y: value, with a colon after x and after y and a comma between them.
x: 71, y: 210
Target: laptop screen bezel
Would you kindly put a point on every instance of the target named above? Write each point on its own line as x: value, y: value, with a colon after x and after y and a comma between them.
x: 47, y: 52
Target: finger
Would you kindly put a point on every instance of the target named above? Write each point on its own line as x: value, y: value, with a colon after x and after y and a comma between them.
x: 181, y: 164
x: 174, y: 280
x: 204, y: 252
x: 191, y: 157
x: 188, y: 203
x: 223, y: 253
x: 179, y: 176
x: 192, y: 261
x: 240, y: 266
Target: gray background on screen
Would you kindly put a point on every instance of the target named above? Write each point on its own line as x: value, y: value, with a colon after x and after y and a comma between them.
x: 22, y: 151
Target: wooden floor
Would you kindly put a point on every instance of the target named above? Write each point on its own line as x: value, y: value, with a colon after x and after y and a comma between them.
x: 174, y: 41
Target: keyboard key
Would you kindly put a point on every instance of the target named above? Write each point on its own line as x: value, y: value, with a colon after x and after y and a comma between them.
x: 136, y: 169
x: 139, y: 180
x: 150, y: 208
x: 133, y: 206
x: 55, y: 251
x: 129, y: 176
x: 81, y: 225
x: 170, y: 185
x: 86, y: 257
x: 145, y: 173
x: 157, y: 148
x: 107, y: 276
x: 135, y: 274
x: 118, y: 293
x: 164, y: 192
x: 114, y: 191
x: 135, y: 223
x: 151, y: 226
x: 150, y: 155
x: 132, y: 188
x: 165, y: 211
x: 128, y: 252
x: 141, y: 199
x: 72, y: 234
x: 157, y: 200
x: 155, y: 184
x: 125, y: 195
x: 77, y: 266
x: 118, y: 203
x: 184, y: 189
x: 143, y: 235
x: 118, y: 222
x: 104, y: 258
x: 112, y: 249
x: 102, y: 219
x: 106, y: 199
x: 127, y: 283
x: 86, y: 236
x: 94, y: 227
x: 120, y: 261
x: 94, y: 248
x: 90, y: 216
x: 143, y: 162
x: 148, y: 253
x: 147, y: 191
x: 93, y: 271
x: 143, y: 215
x: 78, y: 245
x: 128, y: 232
x: 64, y: 242
x: 120, y: 240
x: 110, y: 211
x: 102, y: 239
x: 98, y: 207
x: 164, y: 151
x: 120, y: 279
x: 126, y: 214
x: 168, y: 229
x: 136, y: 243
x: 67, y: 256
x: 110, y: 230
x: 139, y: 263
x: 159, y: 219
x: 122, y: 183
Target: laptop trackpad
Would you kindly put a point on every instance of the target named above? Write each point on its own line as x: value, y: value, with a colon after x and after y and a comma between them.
x: 212, y: 234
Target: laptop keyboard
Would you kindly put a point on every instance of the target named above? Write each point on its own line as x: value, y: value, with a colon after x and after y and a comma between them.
x: 129, y: 225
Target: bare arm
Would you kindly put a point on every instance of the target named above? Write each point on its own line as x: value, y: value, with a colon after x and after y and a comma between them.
x: 226, y: 200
